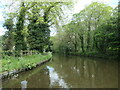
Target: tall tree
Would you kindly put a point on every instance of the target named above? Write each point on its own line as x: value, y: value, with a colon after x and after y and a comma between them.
x: 19, y: 37
x: 42, y: 16
x: 9, y: 35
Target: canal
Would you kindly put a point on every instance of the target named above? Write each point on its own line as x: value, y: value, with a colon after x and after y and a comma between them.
x: 69, y: 72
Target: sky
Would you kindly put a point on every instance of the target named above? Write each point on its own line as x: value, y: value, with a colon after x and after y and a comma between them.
x: 81, y: 4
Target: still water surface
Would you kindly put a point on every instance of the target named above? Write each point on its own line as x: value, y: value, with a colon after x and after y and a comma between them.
x: 69, y: 72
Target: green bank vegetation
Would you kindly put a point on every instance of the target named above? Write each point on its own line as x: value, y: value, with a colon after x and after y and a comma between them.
x: 94, y: 31
x: 10, y: 63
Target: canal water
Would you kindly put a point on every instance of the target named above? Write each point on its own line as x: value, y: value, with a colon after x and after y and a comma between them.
x: 69, y: 72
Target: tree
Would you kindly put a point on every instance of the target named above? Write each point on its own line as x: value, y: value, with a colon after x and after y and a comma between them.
x: 39, y: 23
x: 9, y: 35
x: 92, y: 30
x: 19, y: 37
x: 94, y: 15
x: 107, y: 36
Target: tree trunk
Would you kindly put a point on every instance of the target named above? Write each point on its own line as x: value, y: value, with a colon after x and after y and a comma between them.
x: 82, y: 43
x: 88, y: 36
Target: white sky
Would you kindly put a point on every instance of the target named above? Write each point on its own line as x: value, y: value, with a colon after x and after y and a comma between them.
x: 81, y: 4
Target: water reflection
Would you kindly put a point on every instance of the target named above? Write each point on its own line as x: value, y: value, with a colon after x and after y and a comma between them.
x: 70, y: 71
x: 87, y: 73
x: 24, y: 85
x: 55, y: 79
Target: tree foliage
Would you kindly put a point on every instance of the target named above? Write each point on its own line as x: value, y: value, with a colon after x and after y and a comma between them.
x: 30, y: 26
x: 91, y: 31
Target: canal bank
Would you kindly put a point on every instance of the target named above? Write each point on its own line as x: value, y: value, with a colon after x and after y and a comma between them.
x: 22, y: 64
x: 97, y: 55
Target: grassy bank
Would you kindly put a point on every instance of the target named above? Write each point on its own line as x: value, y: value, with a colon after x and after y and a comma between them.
x: 10, y: 63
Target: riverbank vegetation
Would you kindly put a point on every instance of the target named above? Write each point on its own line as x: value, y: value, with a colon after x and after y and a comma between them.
x: 94, y: 31
x: 28, y: 29
x: 10, y: 63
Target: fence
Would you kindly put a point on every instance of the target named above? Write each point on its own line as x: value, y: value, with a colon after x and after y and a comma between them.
x: 22, y: 53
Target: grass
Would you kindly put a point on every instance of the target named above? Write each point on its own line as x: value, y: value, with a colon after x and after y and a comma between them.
x: 10, y: 63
